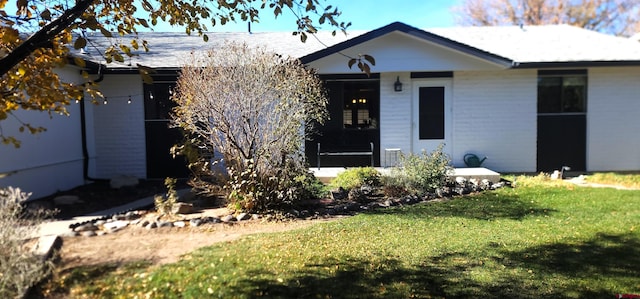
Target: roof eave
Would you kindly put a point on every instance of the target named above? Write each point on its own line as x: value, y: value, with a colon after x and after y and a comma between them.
x: 575, y: 64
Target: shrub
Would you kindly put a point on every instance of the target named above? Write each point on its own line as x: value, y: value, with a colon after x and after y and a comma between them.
x: 254, y: 116
x: 394, y: 185
x: 249, y: 191
x: 312, y: 188
x: 164, y: 204
x: 356, y: 177
x: 420, y: 173
x: 20, y: 267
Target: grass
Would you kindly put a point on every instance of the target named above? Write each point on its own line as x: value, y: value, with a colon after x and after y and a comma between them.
x: 611, y: 178
x: 539, y: 240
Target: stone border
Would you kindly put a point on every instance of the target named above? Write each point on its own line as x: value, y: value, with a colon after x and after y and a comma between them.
x: 357, y: 201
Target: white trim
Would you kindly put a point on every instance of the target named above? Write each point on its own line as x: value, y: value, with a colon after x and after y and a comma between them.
x: 448, y: 106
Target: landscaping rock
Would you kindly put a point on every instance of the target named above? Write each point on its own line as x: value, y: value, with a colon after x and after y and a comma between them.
x: 86, y: 227
x: 151, y: 225
x: 486, y: 184
x: 243, y: 216
x: 338, y: 194
x: 357, y: 195
x: 195, y: 222
x: 182, y: 208
x: 131, y: 215
x: 115, y: 225
x: 165, y: 224
x: 144, y: 223
x: 69, y: 234
x: 46, y: 245
x: 228, y: 218
x: 88, y: 233
x: 179, y: 224
x: 211, y: 220
x: 123, y: 181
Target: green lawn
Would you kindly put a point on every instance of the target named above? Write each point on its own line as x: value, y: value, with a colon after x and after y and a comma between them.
x: 535, y: 241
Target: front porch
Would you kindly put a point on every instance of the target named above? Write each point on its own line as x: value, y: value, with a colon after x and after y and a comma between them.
x: 326, y: 174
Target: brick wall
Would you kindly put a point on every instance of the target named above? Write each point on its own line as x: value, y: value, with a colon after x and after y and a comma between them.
x: 119, y: 129
x: 495, y: 115
x: 613, y: 119
x: 395, y: 114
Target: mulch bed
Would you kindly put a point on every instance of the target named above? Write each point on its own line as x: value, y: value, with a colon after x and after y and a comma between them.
x: 98, y: 196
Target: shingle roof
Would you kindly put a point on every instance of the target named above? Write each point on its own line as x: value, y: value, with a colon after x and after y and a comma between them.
x: 548, y: 43
x: 521, y: 45
x: 172, y: 49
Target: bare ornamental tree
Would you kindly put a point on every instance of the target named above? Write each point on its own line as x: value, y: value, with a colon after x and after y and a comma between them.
x: 251, y: 106
x: 619, y: 17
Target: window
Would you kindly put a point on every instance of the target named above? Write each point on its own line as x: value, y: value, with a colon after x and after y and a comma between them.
x: 431, y: 112
x: 562, y: 93
x: 360, y: 105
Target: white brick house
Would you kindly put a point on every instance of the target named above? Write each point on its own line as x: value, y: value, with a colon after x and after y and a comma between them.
x: 529, y: 98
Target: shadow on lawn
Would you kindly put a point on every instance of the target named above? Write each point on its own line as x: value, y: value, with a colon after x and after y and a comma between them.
x: 484, y: 206
x: 555, y: 269
x: 605, y: 256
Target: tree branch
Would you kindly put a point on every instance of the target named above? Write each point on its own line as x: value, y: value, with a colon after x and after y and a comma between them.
x: 43, y: 36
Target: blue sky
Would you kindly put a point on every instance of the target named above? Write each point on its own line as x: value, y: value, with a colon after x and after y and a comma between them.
x: 363, y: 15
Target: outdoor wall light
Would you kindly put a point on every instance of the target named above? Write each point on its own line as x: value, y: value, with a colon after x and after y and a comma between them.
x: 397, y: 87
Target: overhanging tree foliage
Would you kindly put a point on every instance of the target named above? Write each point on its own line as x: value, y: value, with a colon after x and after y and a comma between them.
x: 36, y: 37
x: 251, y: 107
x: 619, y: 17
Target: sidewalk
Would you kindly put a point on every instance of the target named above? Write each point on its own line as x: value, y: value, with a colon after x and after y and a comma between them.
x: 61, y: 227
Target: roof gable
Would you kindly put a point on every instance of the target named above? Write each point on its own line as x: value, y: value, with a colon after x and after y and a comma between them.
x: 409, y: 31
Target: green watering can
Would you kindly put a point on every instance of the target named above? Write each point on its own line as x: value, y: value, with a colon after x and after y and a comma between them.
x: 473, y: 161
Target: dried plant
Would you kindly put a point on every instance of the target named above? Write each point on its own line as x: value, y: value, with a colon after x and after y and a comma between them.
x: 254, y: 109
x: 164, y: 204
x: 20, y: 267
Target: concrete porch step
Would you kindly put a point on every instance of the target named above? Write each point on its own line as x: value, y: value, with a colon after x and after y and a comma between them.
x: 326, y: 174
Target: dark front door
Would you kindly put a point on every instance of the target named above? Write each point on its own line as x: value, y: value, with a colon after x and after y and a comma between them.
x: 562, y: 120
x: 354, y: 109
x: 561, y: 142
x: 159, y: 136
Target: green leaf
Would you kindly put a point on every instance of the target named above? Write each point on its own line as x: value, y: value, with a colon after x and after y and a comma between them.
x: 205, y: 37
